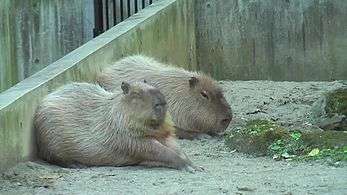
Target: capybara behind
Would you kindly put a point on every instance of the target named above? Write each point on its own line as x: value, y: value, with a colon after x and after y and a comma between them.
x: 196, y: 102
x: 81, y: 125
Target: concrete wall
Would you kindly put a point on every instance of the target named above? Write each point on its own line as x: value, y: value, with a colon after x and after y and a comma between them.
x: 299, y: 40
x: 35, y: 33
x: 164, y: 30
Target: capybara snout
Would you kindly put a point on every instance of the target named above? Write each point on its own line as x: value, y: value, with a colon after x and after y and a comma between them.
x: 159, y: 104
x: 225, y: 121
x: 224, y: 118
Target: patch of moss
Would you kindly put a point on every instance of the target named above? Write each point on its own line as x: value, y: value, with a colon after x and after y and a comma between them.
x: 288, y: 147
x: 336, y: 102
x: 332, y: 154
x: 258, y: 127
x: 325, y: 139
x: 255, y: 137
x: 261, y: 137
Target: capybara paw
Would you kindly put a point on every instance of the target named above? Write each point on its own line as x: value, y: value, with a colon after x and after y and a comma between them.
x: 198, y: 168
x: 189, y: 169
x: 203, y: 136
x: 193, y: 168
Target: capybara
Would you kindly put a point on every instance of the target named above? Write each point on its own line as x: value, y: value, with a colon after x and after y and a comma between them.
x: 195, y: 101
x: 83, y: 125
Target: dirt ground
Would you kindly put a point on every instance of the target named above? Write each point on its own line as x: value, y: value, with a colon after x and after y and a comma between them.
x: 227, y: 172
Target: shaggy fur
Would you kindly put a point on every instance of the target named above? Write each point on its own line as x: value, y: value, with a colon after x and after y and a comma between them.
x: 81, y: 124
x: 191, y: 112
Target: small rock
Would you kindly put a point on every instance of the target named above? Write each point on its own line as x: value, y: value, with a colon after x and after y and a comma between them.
x: 245, y: 189
x: 330, y: 111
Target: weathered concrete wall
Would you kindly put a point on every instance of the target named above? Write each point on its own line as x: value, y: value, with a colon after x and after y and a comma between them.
x: 35, y: 33
x: 164, y: 30
x: 8, y: 71
x: 297, y: 40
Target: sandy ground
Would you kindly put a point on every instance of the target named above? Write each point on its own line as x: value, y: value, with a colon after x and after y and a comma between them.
x: 227, y: 172
x: 287, y: 103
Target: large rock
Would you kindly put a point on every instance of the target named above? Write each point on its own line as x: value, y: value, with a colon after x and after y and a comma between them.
x: 330, y: 111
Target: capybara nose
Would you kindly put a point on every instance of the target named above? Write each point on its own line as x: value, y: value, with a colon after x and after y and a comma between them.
x: 225, y: 122
x: 158, y: 108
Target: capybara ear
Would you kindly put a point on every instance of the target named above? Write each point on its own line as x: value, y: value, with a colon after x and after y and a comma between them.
x: 125, y: 87
x: 144, y: 80
x: 193, y: 81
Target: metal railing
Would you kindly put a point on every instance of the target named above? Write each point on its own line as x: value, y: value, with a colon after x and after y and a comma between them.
x: 108, y: 13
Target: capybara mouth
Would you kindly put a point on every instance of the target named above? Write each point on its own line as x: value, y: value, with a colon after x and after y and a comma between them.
x: 219, y: 131
x: 216, y: 133
x: 153, y: 123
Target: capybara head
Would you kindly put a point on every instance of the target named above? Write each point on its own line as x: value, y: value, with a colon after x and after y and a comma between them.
x: 208, y: 109
x: 144, y: 103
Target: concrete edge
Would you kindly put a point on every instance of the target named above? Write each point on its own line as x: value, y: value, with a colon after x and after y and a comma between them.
x: 14, y: 93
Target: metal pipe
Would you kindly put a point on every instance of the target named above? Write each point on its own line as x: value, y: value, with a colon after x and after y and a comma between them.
x: 121, y: 10
x: 98, y: 18
x: 107, y: 15
x: 128, y: 6
x: 136, y: 6
x: 114, y: 13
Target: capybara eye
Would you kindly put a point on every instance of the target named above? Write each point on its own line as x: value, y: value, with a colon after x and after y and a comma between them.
x: 204, y: 94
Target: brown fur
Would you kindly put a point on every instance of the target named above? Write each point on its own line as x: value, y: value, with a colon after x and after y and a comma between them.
x: 83, y: 125
x: 164, y: 131
x: 191, y: 112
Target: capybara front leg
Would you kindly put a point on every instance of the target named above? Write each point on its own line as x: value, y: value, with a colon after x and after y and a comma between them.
x: 156, y: 154
x: 156, y: 164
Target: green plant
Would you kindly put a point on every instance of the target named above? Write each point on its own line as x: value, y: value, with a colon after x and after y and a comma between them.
x: 335, y: 154
x: 256, y: 127
x: 261, y: 137
x: 296, y: 135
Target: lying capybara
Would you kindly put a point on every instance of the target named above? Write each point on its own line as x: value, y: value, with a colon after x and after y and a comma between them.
x: 196, y: 103
x: 82, y: 125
